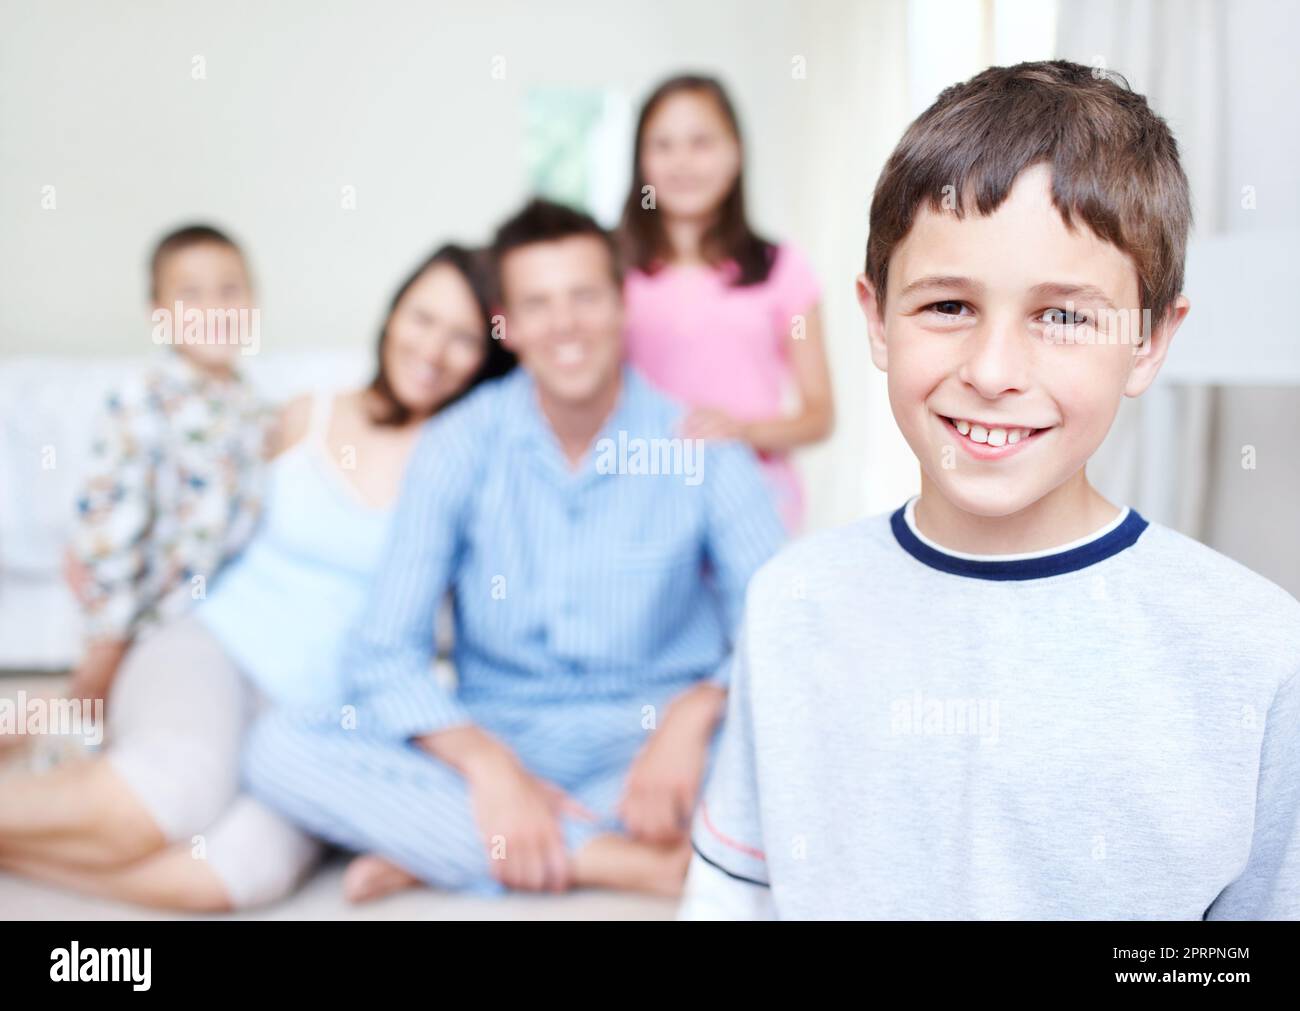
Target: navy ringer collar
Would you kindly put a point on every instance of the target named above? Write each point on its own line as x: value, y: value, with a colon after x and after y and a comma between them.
x: 1038, y: 567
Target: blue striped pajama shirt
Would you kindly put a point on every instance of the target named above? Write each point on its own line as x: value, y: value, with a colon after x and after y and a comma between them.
x: 584, y: 601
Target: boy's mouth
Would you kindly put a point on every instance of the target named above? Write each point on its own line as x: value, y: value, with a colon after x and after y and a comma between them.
x: 986, y: 440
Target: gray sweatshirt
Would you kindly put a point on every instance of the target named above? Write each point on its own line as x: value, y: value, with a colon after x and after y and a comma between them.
x: 1106, y: 730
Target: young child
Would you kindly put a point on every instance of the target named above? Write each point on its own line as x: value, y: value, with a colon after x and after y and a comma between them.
x: 1011, y: 698
x: 174, y: 481
x: 717, y: 317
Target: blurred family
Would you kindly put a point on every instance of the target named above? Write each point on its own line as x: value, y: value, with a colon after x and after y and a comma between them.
x: 1010, y: 698
x: 593, y: 611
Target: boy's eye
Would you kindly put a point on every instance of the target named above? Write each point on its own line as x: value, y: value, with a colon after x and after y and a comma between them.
x: 947, y: 308
x: 1063, y: 317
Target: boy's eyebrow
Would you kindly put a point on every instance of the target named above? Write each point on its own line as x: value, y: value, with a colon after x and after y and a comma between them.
x: 942, y: 281
x: 1088, y: 293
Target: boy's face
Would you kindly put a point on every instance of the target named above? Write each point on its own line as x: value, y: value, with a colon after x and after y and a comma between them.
x: 999, y: 397
x: 207, y: 276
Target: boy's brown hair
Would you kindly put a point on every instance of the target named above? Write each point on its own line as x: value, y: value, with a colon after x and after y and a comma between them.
x: 1114, y: 165
x: 183, y: 238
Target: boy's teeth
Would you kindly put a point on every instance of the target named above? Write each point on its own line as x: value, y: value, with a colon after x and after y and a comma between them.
x: 992, y: 436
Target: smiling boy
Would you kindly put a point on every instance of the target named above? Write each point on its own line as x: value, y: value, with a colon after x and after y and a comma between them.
x: 1144, y: 761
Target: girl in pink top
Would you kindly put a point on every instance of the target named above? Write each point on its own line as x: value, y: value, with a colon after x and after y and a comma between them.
x: 718, y: 317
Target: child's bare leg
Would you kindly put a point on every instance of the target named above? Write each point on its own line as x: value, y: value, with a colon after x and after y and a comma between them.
x: 617, y: 862
x: 370, y: 877
x: 81, y: 814
x: 168, y: 879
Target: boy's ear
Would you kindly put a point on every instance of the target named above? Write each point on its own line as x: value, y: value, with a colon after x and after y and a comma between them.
x: 873, y: 310
x: 1147, y: 362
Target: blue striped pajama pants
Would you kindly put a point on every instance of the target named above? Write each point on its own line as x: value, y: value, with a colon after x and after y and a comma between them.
x: 371, y: 794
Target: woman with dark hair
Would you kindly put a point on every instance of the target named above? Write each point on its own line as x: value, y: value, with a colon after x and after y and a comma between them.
x: 717, y: 316
x: 158, y: 818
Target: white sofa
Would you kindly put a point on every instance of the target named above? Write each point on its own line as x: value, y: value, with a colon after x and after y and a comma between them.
x: 47, y: 410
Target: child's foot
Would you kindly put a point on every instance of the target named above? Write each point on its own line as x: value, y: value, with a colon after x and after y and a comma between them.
x: 371, y: 877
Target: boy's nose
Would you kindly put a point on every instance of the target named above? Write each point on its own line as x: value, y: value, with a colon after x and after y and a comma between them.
x: 997, y: 360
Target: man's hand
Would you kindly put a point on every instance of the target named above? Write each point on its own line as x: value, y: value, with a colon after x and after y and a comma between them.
x: 518, y: 814
x: 94, y: 675
x: 664, y: 781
